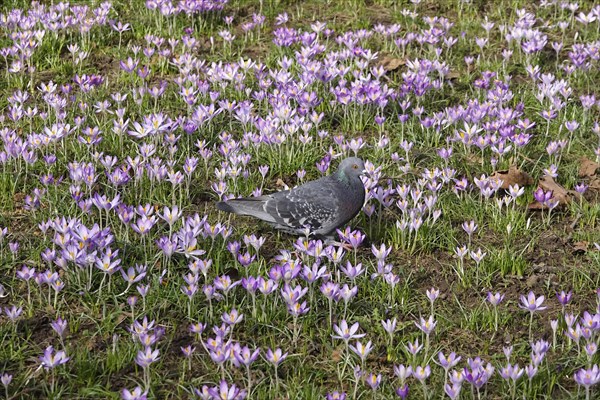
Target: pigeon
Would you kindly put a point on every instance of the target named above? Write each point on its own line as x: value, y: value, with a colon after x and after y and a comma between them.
x: 316, y: 208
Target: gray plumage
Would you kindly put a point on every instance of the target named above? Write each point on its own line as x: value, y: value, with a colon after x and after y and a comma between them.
x: 320, y: 206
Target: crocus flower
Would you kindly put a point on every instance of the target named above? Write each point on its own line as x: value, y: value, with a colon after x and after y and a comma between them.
x: 59, y: 326
x: 361, y: 350
x: 146, y: 357
x: 232, y: 317
x: 448, y: 362
x: 587, y: 378
x: 13, y: 312
x: 432, y: 294
x: 495, y: 298
x: 531, y: 371
x: 6, y: 379
x: 373, y: 380
x: 246, y: 356
x: 188, y: 350
x: 427, y: 326
x: 390, y: 325
x: 511, y: 372
x: 422, y: 373
x: 346, y: 333
x: 275, y: 357
x: 453, y: 391
x: 532, y: 304
x: 402, y: 372
x: 226, y: 392
x: 564, y: 298
x: 414, y: 348
x: 336, y: 396
x: 136, y: 394
x: 402, y: 391
x: 50, y: 359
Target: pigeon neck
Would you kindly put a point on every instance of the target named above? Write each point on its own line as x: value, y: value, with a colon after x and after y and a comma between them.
x: 342, y: 177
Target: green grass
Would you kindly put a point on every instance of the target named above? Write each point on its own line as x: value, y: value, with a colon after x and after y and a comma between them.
x: 525, y: 249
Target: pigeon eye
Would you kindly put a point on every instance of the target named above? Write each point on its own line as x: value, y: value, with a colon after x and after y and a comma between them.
x: 355, y: 166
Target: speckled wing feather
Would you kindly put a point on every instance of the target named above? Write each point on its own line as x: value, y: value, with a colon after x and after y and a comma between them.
x: 314, y: 206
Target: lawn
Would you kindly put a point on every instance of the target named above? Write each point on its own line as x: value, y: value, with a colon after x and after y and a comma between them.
x: 471, y: 272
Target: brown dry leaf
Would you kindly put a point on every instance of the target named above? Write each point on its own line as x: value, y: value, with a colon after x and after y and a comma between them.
x: 19, y: 197
x: 513, y: 176
x: 532, y: 280
x: 595, y: 184
x: 587, y: 167
x: 559, y: 193
x: 580, y: 247
x: 453, y: 75
x: 336, y: 355
x: 474, y: 158
x: 519, y: 79
x: 391, y: 63
x: 536, y: 205
x: 122, y: 316
x: 280, y: 183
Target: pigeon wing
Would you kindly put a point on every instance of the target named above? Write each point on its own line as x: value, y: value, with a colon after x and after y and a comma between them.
x: 314, y: 205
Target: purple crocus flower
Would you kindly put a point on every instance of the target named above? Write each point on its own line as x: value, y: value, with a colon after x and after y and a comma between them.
x: 422, y: 373
x: 542, y: 197
x: 362, y: 350
x: 250, y: 283
x: 382, y: 252
x: 448, y: 362
x: 50, y: 359
x: 495, y: 298
x: 373, y: 380
x: 453, y: 391
x: 276, y: 356
x: 6, y: 379
x: 232, y: 317
x: 26, y: 273
x: 432, y: 294
x: 469, y: 227
x: 188, y: 350
x: 346, y: 333
x: 146, y: 357
x: 136, y: 394
x: 531, y: 371
x: 587, y: 378
x: 427, y: 326
x: 14, y: 247
x: 246, y: 356
x: 402, y: 372
x: 414, y: 348
x: 402, y: 391
x: 532, y: 303
x: 512, y: 372
x: 477, y: 377
x: 390, y: 326
x: 477, y: 374
x: 13, y: 312
x: 226, y: 392
x: 59, y: 326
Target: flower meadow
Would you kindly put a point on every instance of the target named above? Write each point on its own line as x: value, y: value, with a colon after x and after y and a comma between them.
x: 472, y: 271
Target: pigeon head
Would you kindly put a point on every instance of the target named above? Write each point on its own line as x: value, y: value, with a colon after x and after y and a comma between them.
x: 351, y: 167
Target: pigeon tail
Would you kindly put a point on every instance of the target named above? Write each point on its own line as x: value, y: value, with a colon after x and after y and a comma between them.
x: 253, y: 207
x: 225, y: 206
